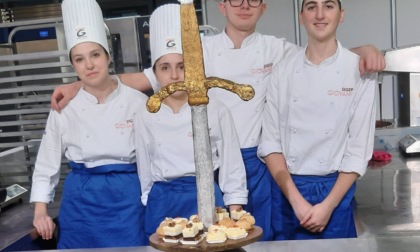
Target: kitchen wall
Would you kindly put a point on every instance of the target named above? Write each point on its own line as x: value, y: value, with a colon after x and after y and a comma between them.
x: 366, y: 22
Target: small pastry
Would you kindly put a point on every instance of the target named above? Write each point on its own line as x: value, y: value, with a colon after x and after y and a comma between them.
x: 216, y: 227
x: 242, y: 223
x: 181, y: 221
x: 221, y: 213
x: 159, y: 230
x: 236, y: 233
x: 237, y: 214
x: 216, y: 236
x: 249, y: 218
x: 190, y: 235
x: 172, y: 232
x: 196, y: 222
x: 227, y: 222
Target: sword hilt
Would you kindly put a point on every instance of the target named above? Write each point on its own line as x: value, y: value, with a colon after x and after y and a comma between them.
x: 245, y: 92
x: 154, y: 102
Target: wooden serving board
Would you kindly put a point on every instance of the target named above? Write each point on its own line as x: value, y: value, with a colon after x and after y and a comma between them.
x: 253, y: 236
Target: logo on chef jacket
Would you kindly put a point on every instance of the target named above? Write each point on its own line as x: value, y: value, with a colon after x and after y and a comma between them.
x: 81, y: 32
x: 263, y: 70
x: 341, y: 92
x: 128, y: 124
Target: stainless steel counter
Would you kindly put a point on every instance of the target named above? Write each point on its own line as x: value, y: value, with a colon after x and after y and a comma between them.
x: 387, y: 215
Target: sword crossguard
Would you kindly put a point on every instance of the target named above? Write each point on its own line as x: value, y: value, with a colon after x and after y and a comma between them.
x: 154, y: 102
x: 195, y: 84
x: 245, y: 92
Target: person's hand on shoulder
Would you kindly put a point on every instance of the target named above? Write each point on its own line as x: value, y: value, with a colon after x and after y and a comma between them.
x: 63, y: 94
x: 372, y: 60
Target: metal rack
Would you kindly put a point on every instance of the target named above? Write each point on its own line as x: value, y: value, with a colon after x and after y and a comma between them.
x: 29, y: 72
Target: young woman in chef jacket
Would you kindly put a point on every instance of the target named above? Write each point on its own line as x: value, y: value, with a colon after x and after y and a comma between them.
x: 318, y: 131
x: 100, y: 205
x: 165, y: 141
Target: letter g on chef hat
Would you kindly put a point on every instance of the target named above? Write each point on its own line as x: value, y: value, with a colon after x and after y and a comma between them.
x: 165, y: 31
x: 83, y: 22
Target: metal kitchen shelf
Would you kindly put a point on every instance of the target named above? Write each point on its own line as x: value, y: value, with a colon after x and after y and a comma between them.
x: 27, y: 78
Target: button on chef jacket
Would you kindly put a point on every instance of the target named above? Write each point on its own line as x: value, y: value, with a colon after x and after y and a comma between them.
x: 321, y: 117
x: 165, y: 149
x: 251, y: 64
x: 84, y: 133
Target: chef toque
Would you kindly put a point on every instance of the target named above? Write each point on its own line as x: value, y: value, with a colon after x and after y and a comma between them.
x: 83, y: 22
x: 165, y: 31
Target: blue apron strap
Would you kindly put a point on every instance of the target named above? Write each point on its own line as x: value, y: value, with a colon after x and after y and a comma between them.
x: 108, y: 168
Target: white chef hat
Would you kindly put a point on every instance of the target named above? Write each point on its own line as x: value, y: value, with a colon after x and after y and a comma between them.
x: 301, y: 2
x: 83, y: 22
x: 165, y: 31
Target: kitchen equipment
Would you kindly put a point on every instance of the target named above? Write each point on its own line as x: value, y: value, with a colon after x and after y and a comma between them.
x: 30, y: 12
x: 14, y: 194
x: 404, y: 63
x: 410, y: 144
x: 381, y: 123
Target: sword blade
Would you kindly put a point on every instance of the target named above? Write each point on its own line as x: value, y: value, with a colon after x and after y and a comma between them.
x: 203, y: 165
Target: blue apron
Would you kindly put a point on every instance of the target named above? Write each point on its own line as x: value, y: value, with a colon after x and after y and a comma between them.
x: 177, y: 198
x: 259, y: 191
x: 101, y: 207
x: 314, y: 189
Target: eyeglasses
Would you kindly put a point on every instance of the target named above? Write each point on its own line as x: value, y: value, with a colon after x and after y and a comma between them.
x: 251, y: 3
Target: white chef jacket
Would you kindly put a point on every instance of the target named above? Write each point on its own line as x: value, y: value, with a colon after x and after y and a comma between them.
x: 252, y: 65
x: 321, y: 117
x: 165, y: 149
x: 87, y: 132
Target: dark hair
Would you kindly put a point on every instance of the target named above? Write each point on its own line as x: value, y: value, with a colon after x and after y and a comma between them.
x: 71, y: 59
x: 339, y: 5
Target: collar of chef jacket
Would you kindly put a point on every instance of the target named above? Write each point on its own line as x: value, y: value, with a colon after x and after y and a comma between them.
x: 92, y: 99
x: 328, y: 61
x: 227, y: 42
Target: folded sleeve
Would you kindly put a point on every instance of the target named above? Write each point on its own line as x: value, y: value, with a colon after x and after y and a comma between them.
x: 359, y: 147
x: 270, y: 141
x: 46, y: 174
x: 232, y: 175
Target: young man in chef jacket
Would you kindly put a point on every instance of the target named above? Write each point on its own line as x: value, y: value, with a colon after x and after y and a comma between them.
x: 244, y: 56
x: 318, y: 131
